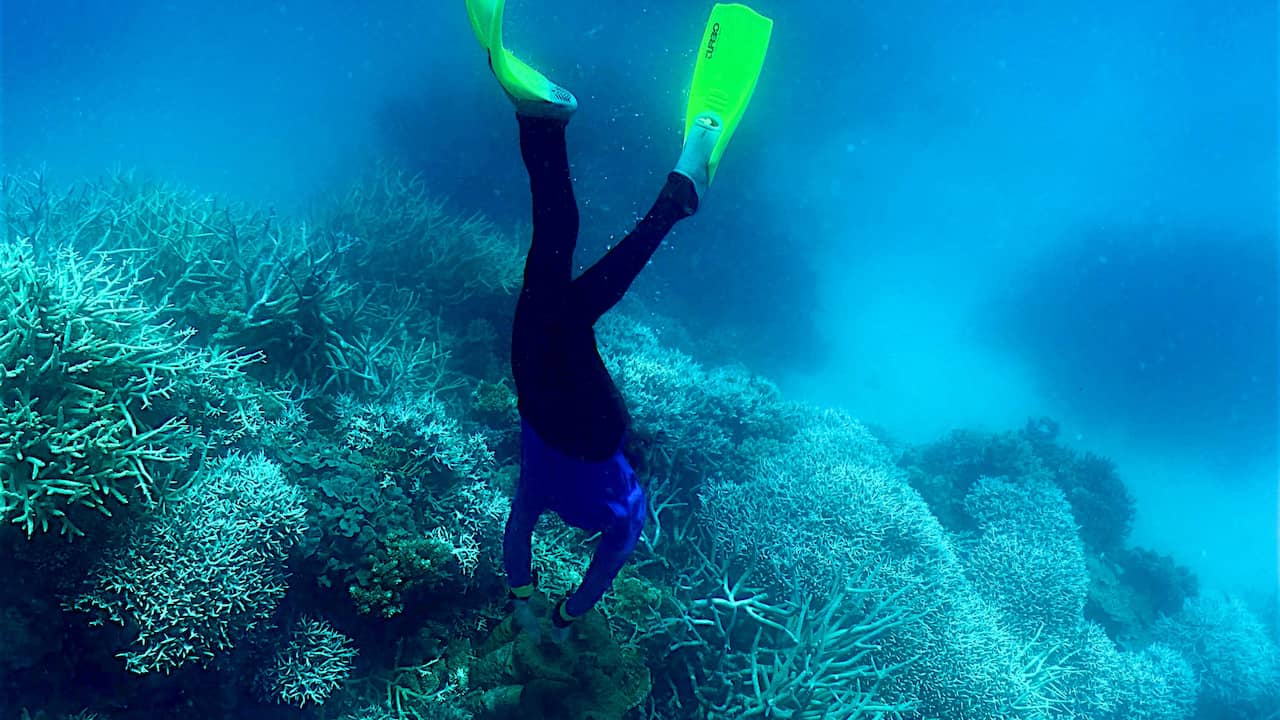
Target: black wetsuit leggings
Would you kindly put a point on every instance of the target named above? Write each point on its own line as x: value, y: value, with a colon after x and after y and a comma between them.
x: 565, y: 392
x: 574, y: 418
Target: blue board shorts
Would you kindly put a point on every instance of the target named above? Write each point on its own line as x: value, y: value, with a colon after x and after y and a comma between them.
x: 600, y: 497
x: 595, y: 496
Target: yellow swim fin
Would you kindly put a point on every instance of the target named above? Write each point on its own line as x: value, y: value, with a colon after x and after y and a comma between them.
x: 730, y: 59
x: 527, y: 87
x: 481, y: 14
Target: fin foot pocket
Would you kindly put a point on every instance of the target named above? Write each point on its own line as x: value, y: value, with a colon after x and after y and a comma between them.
x: 530, y: 91
x: 699, y: 145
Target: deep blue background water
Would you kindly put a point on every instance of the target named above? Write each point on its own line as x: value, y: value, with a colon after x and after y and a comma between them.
x: 935, y: 217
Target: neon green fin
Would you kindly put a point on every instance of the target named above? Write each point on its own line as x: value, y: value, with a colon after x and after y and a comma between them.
x: 519, y: 80
x: 729, y: 62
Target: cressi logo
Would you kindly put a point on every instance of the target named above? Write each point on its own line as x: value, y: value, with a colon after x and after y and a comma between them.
x: 711, y: 41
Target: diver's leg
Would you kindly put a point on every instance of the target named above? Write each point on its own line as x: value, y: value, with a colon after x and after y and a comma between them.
x: 604, y: 283
x: 549, y: 264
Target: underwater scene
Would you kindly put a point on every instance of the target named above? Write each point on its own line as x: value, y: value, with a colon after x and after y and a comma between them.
x: 664, y: 360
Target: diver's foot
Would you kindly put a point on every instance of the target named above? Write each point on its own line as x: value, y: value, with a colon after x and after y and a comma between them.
x: 695, y: 157
x: 550, y: 101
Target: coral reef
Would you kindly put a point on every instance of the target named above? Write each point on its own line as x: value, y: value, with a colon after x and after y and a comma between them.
x: 310, y: 525
x: 201, y: 573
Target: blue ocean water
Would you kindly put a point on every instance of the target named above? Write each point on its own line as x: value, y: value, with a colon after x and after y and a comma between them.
x: 933, y: 218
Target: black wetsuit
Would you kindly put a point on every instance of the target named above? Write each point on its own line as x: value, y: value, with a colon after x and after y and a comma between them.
x: 565, y: 392
x: 573, y: 419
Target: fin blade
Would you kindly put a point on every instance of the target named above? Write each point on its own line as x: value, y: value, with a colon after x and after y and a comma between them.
x: 730, y: 58
x: 482, y: 13
x: 520, y: 80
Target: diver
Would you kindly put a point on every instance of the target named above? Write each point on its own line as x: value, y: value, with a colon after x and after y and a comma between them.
x: 574, y: 422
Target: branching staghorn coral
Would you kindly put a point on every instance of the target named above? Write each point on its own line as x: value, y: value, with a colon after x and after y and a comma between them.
x: 370, y: 712
x: 241, y: 278
x: 1027, y: 560
x: 314, y: 663
x: 1157, y: 684
x: 749, y: 655
x: 345, y: 306
x: 697, y: 418
x: 96, y: 403
x: 413, y: 435
x: 830, y: 511
x: 1093, y: 678
x: 410, y: 240
x: 391, y: 360
x: 82, y: 715
x: 418, y: 688
x: 1234, y: 660
x: 204, y: 570
x: 829, y: 502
